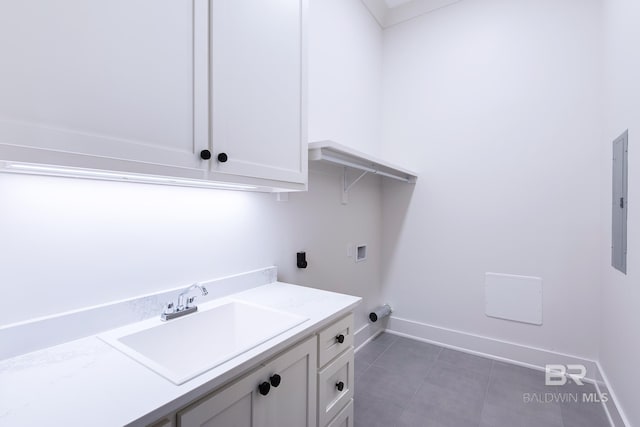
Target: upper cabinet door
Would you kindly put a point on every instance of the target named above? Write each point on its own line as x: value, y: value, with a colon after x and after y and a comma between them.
x: 108, y: 80
x: 258, y: 85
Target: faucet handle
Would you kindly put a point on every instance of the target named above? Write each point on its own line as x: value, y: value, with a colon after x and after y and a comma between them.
x: 190, y: 301
x: 168, y: 308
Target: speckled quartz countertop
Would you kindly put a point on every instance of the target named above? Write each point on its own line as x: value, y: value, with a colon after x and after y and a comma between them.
x: 87, y: 382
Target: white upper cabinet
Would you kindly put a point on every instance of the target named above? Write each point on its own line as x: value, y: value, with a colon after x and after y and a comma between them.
x: 258, y: 83
x: 145, y: 86
x: 106, y: 79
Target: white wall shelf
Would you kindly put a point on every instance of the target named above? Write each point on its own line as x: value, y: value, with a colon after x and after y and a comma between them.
x: 332, y: 152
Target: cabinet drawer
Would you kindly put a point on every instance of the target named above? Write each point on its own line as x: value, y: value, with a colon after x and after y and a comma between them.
x: 344, y: 418
x: 329, y: 345
x: 335, y: 384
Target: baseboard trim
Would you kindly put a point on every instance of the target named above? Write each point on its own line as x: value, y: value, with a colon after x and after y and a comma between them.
x: 366, y: 333
x: 518, y: 354
x: 612, y: 407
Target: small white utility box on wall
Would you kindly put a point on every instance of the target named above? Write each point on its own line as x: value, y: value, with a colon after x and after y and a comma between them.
x: 511, y: 297
x: 361, y: 253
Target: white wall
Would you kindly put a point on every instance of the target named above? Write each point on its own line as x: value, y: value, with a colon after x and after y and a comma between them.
x: 67, y: 244
x: 619, y: 342
x: 345, y: 64
x: 71, y: 243
x: 496, y: 104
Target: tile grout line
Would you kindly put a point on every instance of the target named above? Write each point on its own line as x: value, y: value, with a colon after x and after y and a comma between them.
x: 382, y: 352
x: 365, y: 370
x: 486, y: 392
x: 420, y: 386
x: 369, y: 365
x: 377, y: 357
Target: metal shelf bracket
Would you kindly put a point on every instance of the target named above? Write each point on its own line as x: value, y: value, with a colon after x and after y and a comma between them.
x: 346, y: 186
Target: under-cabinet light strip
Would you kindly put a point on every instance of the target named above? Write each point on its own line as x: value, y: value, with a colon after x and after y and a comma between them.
x: 114, y: 176
x: 347, y: 163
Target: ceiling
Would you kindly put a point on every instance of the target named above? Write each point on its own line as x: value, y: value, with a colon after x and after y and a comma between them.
x: 391, y: 12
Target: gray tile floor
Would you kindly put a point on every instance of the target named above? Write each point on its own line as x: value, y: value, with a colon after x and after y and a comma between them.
x: 402, y: 382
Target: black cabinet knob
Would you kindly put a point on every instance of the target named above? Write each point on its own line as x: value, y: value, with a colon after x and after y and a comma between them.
x: 275, y: 380
x: 264, y: 388
x: 222, y: 157
x: 205, y: 154
x: 340, y: 386
x: 340, y: 338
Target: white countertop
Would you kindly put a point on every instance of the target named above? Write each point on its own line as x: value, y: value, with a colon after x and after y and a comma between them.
x: 89, y: 383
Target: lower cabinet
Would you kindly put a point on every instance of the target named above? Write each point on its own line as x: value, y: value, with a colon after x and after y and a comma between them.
x: 280, y: 393
x: 308, y: 385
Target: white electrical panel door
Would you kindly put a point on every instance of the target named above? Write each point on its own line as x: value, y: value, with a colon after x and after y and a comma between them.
x: 512, y: 297
x: 114, y: 79
x: 258, y: 85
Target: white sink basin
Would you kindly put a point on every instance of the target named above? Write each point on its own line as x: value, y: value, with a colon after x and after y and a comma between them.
x: 183, y: 348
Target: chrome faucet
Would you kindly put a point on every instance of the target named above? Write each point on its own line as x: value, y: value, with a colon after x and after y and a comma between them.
x: 183, y: 294
x: 185, y: 303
